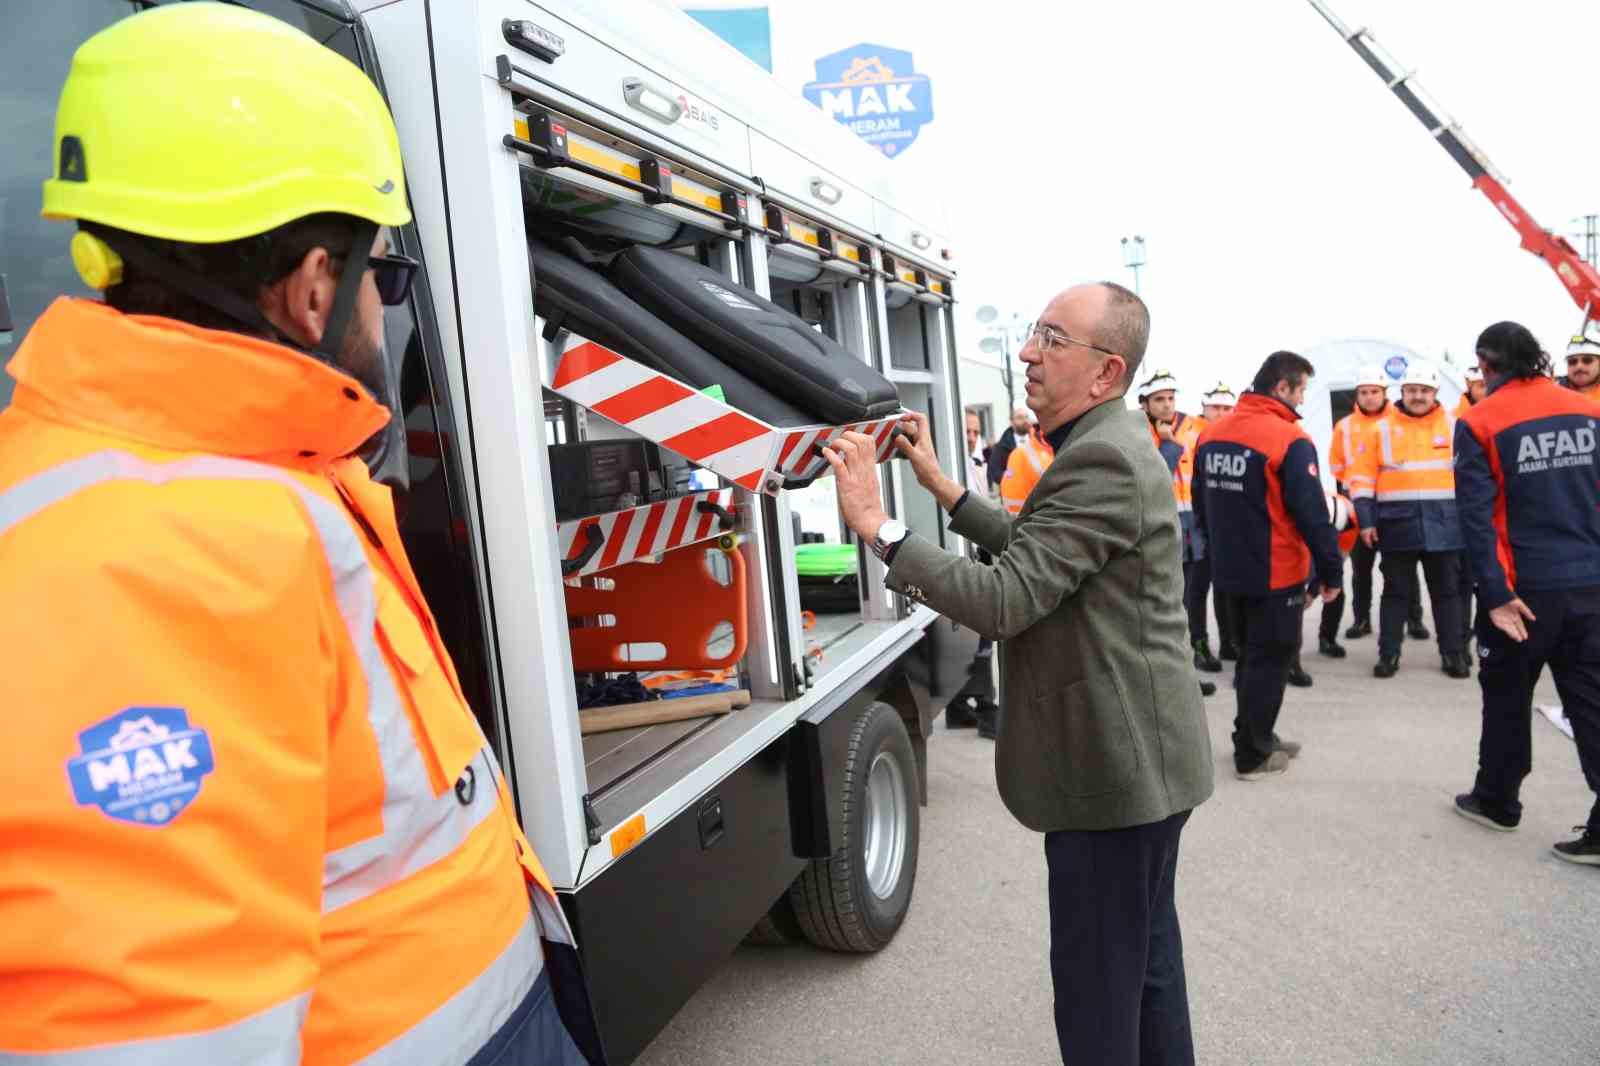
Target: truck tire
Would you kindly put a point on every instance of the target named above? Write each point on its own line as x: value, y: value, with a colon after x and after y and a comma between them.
x: 855, y: 899
x: 777, y: 928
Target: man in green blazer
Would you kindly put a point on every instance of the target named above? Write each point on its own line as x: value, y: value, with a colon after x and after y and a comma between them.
x: 1103, y: 745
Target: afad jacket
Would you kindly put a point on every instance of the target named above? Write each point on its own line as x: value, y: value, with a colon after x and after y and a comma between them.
x: 1258, y: 495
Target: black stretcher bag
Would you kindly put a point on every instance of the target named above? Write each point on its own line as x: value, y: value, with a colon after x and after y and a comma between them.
x: 777, y: 349
x: 569, y: 294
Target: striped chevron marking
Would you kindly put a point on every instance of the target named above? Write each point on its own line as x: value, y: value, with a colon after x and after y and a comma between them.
x: 666, y: 411
x: 642, y: 531
x: 801, y: 454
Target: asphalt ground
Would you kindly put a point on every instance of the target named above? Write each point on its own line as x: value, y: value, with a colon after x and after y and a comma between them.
x: 1339, y: 914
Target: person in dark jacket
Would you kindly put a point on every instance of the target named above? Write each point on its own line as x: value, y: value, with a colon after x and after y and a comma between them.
x: 1000, y: 453
x: 1259, y: 495
x: 1528, y: 489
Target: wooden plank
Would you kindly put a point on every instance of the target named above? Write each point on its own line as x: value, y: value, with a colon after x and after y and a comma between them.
x: 655, y: 712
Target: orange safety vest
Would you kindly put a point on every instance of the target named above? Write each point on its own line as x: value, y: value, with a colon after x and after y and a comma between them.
x: 1187, y: 433
x: 1591, y: 391
x: 1025, y: 466
x: 250, y: 817
x: 1350, y: 440
x: 1408, y: 469
x: 1463, y: 405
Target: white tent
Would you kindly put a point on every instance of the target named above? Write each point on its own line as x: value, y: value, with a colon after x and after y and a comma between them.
x: 1332, y: 390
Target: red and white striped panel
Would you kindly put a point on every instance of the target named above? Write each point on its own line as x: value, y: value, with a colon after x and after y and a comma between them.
x: 644, y: 531
x: 801, y: 455
x: 666, y: 411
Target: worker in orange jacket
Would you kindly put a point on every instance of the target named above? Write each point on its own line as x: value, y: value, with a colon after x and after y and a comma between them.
x: 1174, y: 434
x: 1403, y: 487
x: 1024, y: 467
x: 1474, y: 393
x: 1583, y: 362
x: 256, y: 820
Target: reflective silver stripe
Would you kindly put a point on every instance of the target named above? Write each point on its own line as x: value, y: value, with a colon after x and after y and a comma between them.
x: 269, y: 1038
x: 552, y: 919
x: 1421, y: 464
x: 418, y: 828
x: 455, y: 1032
x: 1184, y: 505
x: 1360, y: 494
x: 1344, y: 431
x: 1031, y: 453
x: 1418, y: 494
x: 1383, y: 434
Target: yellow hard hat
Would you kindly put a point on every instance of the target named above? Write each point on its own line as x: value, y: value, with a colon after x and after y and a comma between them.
x: 204, y: 122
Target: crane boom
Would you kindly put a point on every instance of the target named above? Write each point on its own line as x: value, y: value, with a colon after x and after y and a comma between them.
x: 1581, y: 279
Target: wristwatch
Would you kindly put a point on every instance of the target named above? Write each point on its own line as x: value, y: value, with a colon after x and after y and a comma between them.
x: 890, y: 533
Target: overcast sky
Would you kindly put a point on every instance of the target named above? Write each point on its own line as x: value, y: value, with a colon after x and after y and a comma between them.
x: 1284, y: 195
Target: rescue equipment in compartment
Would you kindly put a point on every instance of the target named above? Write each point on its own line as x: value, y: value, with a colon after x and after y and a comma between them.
x: 677, y: 604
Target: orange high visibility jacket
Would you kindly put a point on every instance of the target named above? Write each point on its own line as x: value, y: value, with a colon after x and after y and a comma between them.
x: 1186, y: 430
x: 1463, y: 405
x: 1350, y: 440
x: 1404, y: 483
x: 250, y: 817
x: 1026, y: 465
x: 1592, y: 390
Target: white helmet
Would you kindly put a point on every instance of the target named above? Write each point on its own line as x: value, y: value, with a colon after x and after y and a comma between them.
x: 1473, y: 373
x: 1586, y: 342
x: 1420, y: 373
x: 1158, y: 381
x: 1340, y: 512
x: 1372, y: 374
x: 1221, y: 395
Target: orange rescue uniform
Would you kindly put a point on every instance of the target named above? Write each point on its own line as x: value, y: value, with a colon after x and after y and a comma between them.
x: 251, y: 817
x: 1025, y: 466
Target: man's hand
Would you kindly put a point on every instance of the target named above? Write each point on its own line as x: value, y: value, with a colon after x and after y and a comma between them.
x: 1164, y: 431
x: 853, y: 458
x: 1330, y: 593
x: 1508, y: 618
x: 1369, y: 537
x: 914, y: 440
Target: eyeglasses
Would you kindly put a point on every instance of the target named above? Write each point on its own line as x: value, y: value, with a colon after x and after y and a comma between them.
x: 1583, y: 359
x: 1047, y: 337
x: 393, y: 274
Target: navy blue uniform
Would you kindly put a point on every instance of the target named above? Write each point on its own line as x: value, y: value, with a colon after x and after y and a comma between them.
x: 1259, y: 497
x: 1528, y: 490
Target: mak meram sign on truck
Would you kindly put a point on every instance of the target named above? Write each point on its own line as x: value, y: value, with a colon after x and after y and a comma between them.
x: 876, y: 92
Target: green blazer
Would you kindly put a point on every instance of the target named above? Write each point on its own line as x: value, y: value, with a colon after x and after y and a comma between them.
x: 1103, y: 726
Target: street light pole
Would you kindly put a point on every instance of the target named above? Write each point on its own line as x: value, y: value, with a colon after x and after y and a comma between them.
x: 1133, y: 257
x: 998, y: 342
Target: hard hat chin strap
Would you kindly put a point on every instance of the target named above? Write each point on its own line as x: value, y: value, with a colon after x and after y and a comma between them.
x: 202, y: 289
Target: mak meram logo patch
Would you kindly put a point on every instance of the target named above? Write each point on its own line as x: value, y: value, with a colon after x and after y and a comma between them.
x: 142, y: 765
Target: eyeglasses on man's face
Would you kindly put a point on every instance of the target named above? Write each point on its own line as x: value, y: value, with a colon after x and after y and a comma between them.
x: 1047, y: 337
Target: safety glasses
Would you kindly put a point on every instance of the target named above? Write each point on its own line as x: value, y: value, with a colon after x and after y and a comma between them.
x: 393, y: 274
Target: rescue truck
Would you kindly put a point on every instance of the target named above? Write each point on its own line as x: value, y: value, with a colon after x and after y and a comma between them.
x: 602, y: 477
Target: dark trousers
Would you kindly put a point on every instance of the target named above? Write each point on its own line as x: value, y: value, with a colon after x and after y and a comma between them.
x: 1196, y: 587
x: 1566, y: 634
x: 1362, y: 559
x: 1465, y: 586
x: 1116, y: 953
x: 1267, y: 631
x: 1332, y: 615
x: 1400, y: 591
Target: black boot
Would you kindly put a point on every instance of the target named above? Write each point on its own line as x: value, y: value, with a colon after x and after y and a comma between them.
x: 987, y: 717
x: 1207, y: 689
x: 1228, y: 651
x: 1361, y: 628
x: 958, y: 713
x: 1455, y: 665
x: 1388, y: 666
x: 1416, y: 630
x: 1298, y: 676
x: 1203, y: 659
x: 1331, y: 648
